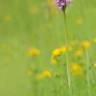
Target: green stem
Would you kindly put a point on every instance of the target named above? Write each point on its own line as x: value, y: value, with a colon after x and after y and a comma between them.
x: 67, y: 56
x: 88, y: 73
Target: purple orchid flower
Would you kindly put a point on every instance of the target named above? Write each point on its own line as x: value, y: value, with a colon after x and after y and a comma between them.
x: 62, y: 3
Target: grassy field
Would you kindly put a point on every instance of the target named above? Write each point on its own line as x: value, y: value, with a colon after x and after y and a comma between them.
x: 35, y: 58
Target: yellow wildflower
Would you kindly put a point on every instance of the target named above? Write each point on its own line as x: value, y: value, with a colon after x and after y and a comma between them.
x: 46, y: 73
x: 56, y: 52
x: 60, y: 50
x: 76, y: 69
x: 85, y: 44
x: 33, y: 52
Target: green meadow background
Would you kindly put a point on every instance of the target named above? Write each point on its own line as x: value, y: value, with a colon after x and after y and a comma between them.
x: 39, y: 24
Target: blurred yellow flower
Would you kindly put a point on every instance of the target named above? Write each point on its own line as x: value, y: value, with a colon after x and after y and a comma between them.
x: 60, y: 50
x: 78, y: 53
x: 44, y: 74
x: 33, y: 52
x: 85, y: 44
x: 76, y: 69
x: 47, y: 73
x: 56, y: 52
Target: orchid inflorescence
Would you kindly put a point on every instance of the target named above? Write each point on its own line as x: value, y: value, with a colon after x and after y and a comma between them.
x: 62, y: 3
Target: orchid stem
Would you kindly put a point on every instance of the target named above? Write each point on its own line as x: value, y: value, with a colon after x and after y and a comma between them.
x: 67, y: 56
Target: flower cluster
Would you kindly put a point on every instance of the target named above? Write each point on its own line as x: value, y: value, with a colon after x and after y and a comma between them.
x: 57, y: 52
x: 76, y: 69
x: 62, y: 3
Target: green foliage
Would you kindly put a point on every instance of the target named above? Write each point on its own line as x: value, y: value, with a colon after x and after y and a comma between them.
x: 26, y: 24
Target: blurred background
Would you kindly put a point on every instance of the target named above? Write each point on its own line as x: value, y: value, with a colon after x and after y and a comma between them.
x: 31, y: 35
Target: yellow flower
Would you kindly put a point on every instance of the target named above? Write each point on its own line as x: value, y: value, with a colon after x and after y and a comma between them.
x: 60, y: 50
x: 33, y: 52
x: 76, y: 69
x: 46, y: 73
x: 56, y: 52
x: 78, y: 53
x: 85, y: 44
